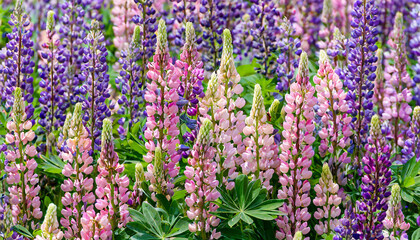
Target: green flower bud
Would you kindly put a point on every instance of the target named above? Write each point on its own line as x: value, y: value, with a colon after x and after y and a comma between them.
x: 136, y: 39
x: 189, y: 35
x: 227, y: 53
x: 274, y: 110
x: 66, y: 126
x: 416, y: 113
x: 375, y: 126
x: 326, y: 173
x: 50, y: 221
x: 76, y: 122
x: 18, y: 107
x: 106, y: 133
x: 139, y: 174
x: 246, y: 17
x: 258, y: 109
x: 298, y: 236
x: 212, y: 86
x: 303, y: 70
x: 337, y: 35
x: 50, y: 21
x: 395, y: 195
x: 203, y: 137
x: 323, y: 57
x: 398, y: 23
x: 162, y: 38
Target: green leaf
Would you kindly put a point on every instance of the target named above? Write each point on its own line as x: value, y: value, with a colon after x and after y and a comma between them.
x: 416, y: 234
x: 408, y: 182
x: 406, y: 196
x: 135, y: 215
x: 234, y: 220
x: 152, y: 216
x: 270, y: 204
x: 137, y: 147
x: 180, y: 227
x: 22, y: 231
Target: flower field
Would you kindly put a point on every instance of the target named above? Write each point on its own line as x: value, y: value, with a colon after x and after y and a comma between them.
x: 210, y: 119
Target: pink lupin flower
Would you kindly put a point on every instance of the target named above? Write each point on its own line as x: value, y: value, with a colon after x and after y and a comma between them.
x: 112, y: 186
x: 335, y: 130
x: 121, y: 15
x: 219, y: 106
x: 394, y: 221
x: 328, y: 202
x: 397, y: 93
x: 20, y: 166
x: 201, y: 185
x: 78, y: 197
x: 261, y: 152
x: 296, y: 154
x: 162, y: 116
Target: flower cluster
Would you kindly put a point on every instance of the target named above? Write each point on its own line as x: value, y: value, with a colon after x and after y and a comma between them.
x: 162, y: 117
x: 17, y: 64
x: 78, y: 197
x: 335, y: 130
x: 21, y: 165
x: 377, y: 176
x: 122, y: 14
x: 261, y: 152
x: 296, y: 154
x: 201, y: 185
x: 328, y: 202
x: 50, y: 227
x: 94, y: 70
x: 394, y: 221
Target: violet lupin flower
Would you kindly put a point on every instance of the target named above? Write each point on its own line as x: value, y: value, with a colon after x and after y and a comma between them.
x: 360, y: 74
x: 309, y: 12
x: 288, y: 59
x: 397, y: 87
x: 112, y: 186
x: 265, y: 17
x: 338, y: 49
x: 412, y: 144
x: 377, y: 176
x: 328, y: 202
x: 17, y: 65
x: 201, y: 185
x: 261, y: 152
x: 147, y: 22
x: 335, y: 131
x: 94, y: 70
x: 130, y: 84
x: 414, y: 44
x: 21, y: 176
x: 77, y: 187
x: 53, y: 110
x: 191, y: 87
x: 72, y: 32
x: 394, y: 221
x: 296, y: 154
x: 162, y: 117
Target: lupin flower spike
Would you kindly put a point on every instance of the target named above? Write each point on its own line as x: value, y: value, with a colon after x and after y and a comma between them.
x: 78, y: 185
x: 112, y: 186
x: 328, y: 202
x: 258, y: 109
x: 394, y: 221
x: 202, y: 190
x: 50, y: 226
x: 20, y: 169
x: 296, y: 154
x: 377, y: 176
x: 162, y: 38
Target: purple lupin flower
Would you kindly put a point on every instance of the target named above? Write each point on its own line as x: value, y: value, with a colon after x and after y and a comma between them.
x: 54, y: 107
x: 96, y: 79
x: 264, y: 16
x: 129, y: 83
x: 148, y: 27
x: 415, y: 47
x: 72, y: 32
x: 377, y: 176
x: 359, y: 76
x: 17, y: 65
x: 288, y: 59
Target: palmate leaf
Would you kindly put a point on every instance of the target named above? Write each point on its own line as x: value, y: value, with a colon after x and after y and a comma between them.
x: 246, y: 202
x: 156, y: 223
